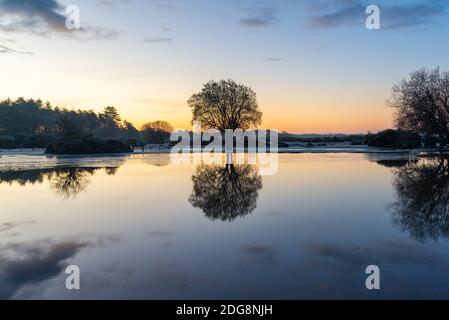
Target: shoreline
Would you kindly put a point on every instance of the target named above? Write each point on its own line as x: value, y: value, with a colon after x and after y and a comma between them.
x: 296, y: 150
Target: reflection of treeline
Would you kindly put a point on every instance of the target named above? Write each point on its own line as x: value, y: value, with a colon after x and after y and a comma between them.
x: 67, y: 182
x: 34, y: 124
x: 37, y: 175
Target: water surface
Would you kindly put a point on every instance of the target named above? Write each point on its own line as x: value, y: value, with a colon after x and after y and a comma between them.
x: 141, y: 227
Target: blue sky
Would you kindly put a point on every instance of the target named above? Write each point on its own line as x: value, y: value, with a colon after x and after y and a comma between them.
x: 313, y: 64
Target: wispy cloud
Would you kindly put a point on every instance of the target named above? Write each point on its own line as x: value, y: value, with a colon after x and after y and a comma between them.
x: 274, y: 59
x: 414, y: 15
x: 165, y: 4
x: 158, y: 40
x: 259, y: 17
x: 37, y: 15
x: 43, y: 18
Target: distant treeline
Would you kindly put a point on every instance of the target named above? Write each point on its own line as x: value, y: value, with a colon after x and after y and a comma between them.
x: 354, y: 139
x: 390, y: 138
x: 403, y: 139
x: 34, y: 124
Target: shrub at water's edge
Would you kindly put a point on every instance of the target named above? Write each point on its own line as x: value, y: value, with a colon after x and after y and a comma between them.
x: 397, y: 139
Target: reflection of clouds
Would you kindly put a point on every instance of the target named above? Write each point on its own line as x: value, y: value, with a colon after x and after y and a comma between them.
x: 25, y: 264
x: 275, y: 213
x: 158, y: 160
x: 386, y: 252
x: 159, y: 234
x: 172, y: 280
x: 259, y: 252
x: 7, y: 226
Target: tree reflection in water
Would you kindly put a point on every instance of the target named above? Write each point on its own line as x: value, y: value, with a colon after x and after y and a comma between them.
x: 70, y: 182
x: 422, y: 198
x: 225, y: 192
x: 67, y: 182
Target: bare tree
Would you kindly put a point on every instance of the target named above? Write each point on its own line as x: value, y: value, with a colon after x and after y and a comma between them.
x: 225, y: 105
x: 422, y: 103
x: 156, y: 132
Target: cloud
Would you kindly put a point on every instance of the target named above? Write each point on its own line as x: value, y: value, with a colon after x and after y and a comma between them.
x: 25, y: 264
x: 158, y: 40
x: 159, y: 234
x: 259, y: 17
x: 21, y: 14
x: 44, y: 18
x: 345, y: 15
x: 274, y: 59
x: 413, y: 15
x: 164, y: 4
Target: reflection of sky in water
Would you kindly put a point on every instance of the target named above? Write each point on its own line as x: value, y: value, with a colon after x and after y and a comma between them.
x: 307, y: 232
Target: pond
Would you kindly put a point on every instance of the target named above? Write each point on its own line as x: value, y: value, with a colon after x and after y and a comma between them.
x: 141, y: 227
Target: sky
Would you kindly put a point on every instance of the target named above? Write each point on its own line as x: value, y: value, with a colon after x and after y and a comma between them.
x: 314, y: 65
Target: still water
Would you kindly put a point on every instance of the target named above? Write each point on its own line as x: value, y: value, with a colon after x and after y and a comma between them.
x: 140, y: 227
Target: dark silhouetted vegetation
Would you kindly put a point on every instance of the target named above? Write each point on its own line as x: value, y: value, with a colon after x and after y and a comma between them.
x: 157, y: 132
x: 397, y: 139
x: 88, y: 145
x: 34, y: 124
x: 225, y: 105
x: 352, y: 139
x: 421, y: 104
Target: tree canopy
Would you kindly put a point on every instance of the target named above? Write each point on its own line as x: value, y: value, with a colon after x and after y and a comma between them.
x: 29, y: 123
x: 421, y: 103
x: 225, y: 105
x: 156, y: 132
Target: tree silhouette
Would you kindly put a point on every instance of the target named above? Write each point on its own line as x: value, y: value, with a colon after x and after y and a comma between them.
x: 422, y: 103
x: 422, y: 198
x: 111, y: 122
x: 225, y: 192
x: 225, y: 105
x: 156, y: 132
